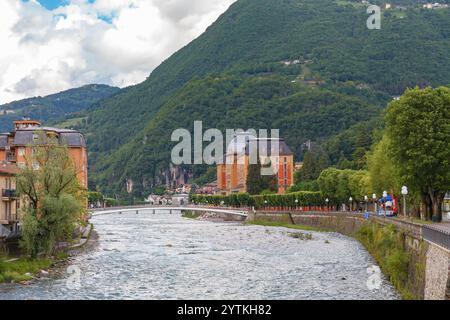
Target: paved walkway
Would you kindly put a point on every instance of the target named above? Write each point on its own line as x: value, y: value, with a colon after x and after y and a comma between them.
x: 444, y: 226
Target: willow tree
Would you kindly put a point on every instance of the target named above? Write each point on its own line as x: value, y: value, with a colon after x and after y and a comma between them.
x: 53, y: 201
x: 418, y: 126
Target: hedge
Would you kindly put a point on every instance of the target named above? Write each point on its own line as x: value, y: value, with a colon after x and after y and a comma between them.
x: 304, y: 199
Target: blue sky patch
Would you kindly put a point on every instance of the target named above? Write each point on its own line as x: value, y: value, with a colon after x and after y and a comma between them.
x: 53, y: 4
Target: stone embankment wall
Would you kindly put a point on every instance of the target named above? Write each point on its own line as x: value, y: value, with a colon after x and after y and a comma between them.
x: 429, y: 265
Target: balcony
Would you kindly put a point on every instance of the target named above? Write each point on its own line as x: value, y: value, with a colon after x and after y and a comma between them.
x: 9, y: 194
x: 10, y: 157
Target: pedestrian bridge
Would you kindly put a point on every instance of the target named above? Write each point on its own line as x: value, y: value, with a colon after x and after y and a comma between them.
x: 234, y: 213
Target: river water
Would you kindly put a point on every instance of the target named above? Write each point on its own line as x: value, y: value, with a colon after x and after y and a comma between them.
x: 166, y: 256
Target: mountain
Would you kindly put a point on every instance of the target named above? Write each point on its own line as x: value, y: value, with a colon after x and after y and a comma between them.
x: 54, y: 107
x: 309, y: 67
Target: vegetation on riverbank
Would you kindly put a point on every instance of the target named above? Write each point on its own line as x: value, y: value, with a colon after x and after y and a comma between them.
x: 267, y: 223
x: 191, y: 214
x: 289, y: 200
x: 386, y: 245
x: 21, y: 270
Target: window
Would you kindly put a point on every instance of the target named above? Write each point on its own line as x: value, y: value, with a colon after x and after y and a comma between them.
x: 21, y: 151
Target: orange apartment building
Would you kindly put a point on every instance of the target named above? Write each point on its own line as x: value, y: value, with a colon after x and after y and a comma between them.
x: 232, y: 174
x: 16, y: 146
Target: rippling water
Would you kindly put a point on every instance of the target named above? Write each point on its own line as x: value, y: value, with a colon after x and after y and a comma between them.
x: 165, y: 256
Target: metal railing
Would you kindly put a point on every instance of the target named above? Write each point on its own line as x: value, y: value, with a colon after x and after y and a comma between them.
x: 9, y: 193
x: 437, y: 235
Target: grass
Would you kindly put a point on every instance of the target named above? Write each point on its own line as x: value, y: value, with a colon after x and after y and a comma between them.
x: 21, y: 270
x: 191, y: 215
x: 267, y: 223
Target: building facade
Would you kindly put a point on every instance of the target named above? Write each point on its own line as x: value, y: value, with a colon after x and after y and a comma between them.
x: 9, y: 202
x: 16, y: 146
x: 232, y: 173
x: 446, y: 209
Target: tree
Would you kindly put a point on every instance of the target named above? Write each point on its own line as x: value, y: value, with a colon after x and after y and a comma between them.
x: 340, y: 185
x: 257, y: 183
x: 418, y: 126
x: 54, y: 201
x: 313, y: 164
x: 383, y: 173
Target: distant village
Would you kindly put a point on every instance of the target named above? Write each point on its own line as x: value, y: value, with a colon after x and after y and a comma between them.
x: 434, y: 5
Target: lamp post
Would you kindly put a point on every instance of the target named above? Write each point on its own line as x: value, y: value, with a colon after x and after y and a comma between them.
x: 366, y: 200
x: 265, y: 204
x: 374, y: 197
x: 385, y: 194
x: 296, y: 203
x: 327, y: 201
x: 404, y: 193
x: 351, y: 203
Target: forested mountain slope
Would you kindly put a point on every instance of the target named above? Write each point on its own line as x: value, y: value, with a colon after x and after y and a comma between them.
x: 308, y: 67
x: 54, y: 107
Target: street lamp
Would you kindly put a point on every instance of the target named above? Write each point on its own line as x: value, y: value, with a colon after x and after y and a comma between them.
x: 374, y: 197
x: 296, y: 203
x: 366, y: 200
x: 327, y: 201
x: 351, y: 203
x: 404, y: 193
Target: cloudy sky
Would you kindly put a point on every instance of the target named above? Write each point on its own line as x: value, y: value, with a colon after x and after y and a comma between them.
x: 52, y: 45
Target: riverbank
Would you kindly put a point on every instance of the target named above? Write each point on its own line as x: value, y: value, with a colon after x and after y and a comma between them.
x: 24, y: 270
x: 283, y: 225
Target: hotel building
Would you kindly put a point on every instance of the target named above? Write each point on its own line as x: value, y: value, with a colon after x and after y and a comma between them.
x: 232, y: 173
x: 15, y: 146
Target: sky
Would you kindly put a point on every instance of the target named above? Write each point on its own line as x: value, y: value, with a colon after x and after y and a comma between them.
x: 48, y: 46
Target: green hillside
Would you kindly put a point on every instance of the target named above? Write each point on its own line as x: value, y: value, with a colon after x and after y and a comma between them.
x: 308, y: 67
x: 54, y: 107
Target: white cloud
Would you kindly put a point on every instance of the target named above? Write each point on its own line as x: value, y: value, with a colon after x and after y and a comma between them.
x: 44, y: 51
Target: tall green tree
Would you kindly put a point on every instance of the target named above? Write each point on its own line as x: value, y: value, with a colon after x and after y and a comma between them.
x: 383, y: 173
x: 257, y: 183
x: 418, y: 126
x: 313, y: 164
x: 54, y: 201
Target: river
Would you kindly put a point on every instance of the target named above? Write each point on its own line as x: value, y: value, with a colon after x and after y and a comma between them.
x: 165, y: 256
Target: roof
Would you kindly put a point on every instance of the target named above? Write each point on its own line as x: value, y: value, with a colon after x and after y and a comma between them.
x: 71, y: 138
x: 265, y: 147
x: 3, y: 141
